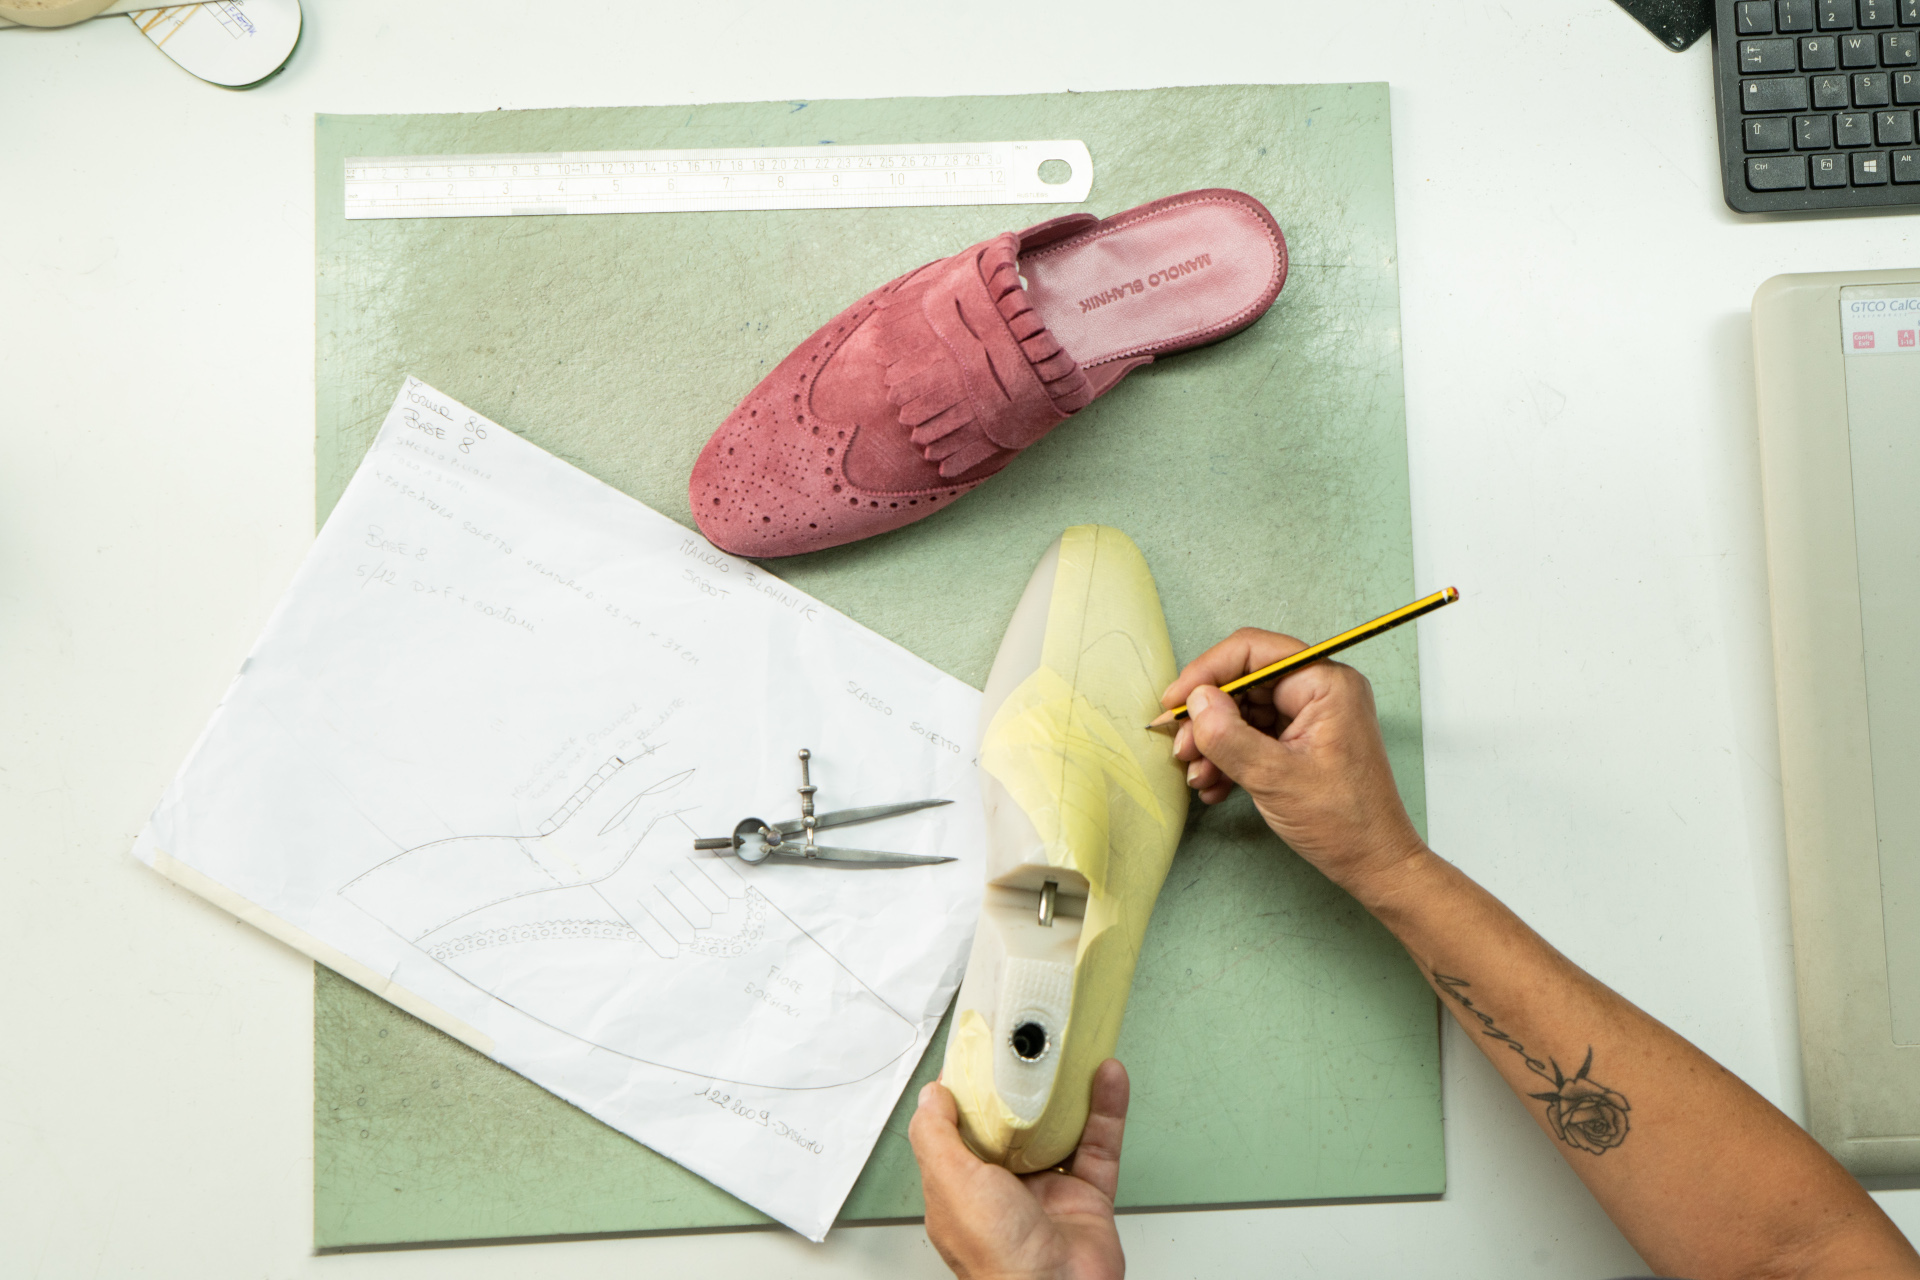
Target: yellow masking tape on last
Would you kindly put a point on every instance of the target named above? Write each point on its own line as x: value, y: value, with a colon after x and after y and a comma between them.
x: 968, y: 1075
x: 1062, y: 759
x: 1069, y: 744
x: 1107, y: 800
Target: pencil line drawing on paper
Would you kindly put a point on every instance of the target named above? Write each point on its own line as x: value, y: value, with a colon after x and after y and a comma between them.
x: 602, y: 920
x: 496, y: 825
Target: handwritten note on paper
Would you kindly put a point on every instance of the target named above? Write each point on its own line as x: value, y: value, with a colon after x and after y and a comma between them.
x: 470, y: 755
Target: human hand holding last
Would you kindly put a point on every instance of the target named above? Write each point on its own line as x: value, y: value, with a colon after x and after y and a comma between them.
x: 1307, y: 749
x: 989, y: 1224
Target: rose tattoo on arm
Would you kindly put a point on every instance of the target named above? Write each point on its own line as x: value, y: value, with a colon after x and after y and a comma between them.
x: 1582, y: 1112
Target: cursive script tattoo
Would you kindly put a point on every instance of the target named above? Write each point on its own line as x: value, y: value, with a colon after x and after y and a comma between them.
x: 1581, y: 1112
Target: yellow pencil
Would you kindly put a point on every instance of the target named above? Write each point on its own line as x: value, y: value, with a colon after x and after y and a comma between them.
x: 1325, y: 649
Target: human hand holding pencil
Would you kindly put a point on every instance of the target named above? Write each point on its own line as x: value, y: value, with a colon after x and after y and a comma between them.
x: 1303, y: 740
x: 1306, y: 655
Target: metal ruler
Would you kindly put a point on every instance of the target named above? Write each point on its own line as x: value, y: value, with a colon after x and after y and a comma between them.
x: 908, y: 175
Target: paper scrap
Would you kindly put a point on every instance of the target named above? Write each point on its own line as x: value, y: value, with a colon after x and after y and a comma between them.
x: 470, y: 754
x: 235, y: 43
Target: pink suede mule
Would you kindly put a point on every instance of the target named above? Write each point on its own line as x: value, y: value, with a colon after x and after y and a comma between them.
x: 927, y: 386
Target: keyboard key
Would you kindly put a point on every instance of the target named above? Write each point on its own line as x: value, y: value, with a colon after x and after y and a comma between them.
x: 1821, y: 53
x: 1756, y: 17
x: 1871, y: 90
x: 1854, y: 129
x: 1775, y: 134
x: 1876, y: 13
x: 1906, y: 166
x: 1770, y: 55
x: 1859, y: 51
x: 1829, y: 171
x: 1910, y: 13
x: 1835, y: 15
x: 1898, y: 49
x: 1831, y: 91
x: 1906, y: 87
x: 1784, y: 94
x: 1869, y: 168
x: 1891, y: 128
x: 1797, y: 15
x: 1777, y: 173
x: 1812, y: 133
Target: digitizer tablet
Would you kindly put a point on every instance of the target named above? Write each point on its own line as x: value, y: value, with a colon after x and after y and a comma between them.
x: 1837, y: 363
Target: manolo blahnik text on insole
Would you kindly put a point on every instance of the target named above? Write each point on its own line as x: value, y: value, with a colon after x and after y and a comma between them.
x: 1127, y: 288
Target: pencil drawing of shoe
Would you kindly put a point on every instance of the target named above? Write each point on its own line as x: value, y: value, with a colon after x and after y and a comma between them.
x: 1084, y: 809
x: 602, y: 926
x: 928, y: 386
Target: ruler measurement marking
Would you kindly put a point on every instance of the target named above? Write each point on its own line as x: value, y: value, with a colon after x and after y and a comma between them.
x: 904, y: 175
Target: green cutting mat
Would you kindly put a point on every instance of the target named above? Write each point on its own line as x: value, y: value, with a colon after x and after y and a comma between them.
x: 1282, y: 1046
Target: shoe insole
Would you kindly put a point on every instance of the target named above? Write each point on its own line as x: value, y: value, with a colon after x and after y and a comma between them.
x: 1175, y: 275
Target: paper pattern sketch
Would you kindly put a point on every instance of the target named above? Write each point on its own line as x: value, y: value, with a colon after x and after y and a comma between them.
x: 470, y: 754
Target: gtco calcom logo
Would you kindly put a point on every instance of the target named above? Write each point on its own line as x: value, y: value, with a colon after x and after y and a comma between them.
x: 1882, y: 324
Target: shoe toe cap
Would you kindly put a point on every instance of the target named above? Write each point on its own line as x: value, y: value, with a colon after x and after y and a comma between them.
x: 753, y: 497
x: 750, y: 492
x: 775, y: 479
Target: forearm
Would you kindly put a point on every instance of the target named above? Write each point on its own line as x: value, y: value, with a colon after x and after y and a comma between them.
x: 1700, y: 1172
x: 1703, y: 1175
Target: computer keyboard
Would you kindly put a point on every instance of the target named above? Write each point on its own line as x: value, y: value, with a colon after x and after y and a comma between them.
x: 1816, y: 101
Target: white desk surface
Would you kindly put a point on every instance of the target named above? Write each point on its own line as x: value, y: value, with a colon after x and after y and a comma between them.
x: 1599, y: 711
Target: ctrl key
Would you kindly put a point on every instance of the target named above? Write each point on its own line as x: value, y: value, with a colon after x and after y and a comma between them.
x: 1777, y: 173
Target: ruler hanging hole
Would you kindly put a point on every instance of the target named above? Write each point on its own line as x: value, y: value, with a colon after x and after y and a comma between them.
x: 1055, y: 172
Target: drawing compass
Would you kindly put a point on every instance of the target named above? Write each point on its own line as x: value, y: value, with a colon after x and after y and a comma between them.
x: 755, y: 840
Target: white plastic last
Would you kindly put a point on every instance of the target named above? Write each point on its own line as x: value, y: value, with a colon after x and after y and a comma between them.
x: 469, y: 756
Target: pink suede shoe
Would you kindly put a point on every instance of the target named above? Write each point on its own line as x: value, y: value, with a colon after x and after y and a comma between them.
x: 927, y: 386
